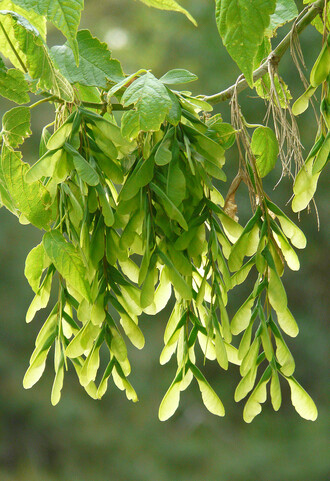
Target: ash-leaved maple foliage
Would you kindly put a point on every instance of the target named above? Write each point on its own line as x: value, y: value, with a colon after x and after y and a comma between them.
x: 131, y: 193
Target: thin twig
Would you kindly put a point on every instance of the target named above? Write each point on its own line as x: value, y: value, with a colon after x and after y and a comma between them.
x: 274, y: 57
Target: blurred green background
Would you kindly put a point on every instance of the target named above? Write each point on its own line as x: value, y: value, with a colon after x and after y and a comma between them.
x: 114, y: 440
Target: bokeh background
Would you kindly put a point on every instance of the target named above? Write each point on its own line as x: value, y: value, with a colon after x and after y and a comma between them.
x: 115, y: 440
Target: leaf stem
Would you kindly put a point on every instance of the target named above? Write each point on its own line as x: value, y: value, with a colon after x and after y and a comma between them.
x: 274, y: 57
x: 42, y: 101
x: 13, y: 49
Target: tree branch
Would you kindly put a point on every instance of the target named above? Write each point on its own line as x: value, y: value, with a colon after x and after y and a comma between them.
x: 274, y: 57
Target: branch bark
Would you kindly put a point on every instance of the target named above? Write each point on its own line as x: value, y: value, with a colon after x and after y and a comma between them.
x: 274, y: 57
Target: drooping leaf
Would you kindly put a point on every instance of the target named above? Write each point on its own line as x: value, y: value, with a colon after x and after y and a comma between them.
x: 67, y: 261
x: 32, y: 200
x: 13, y: 86
x: 150, y: 99
x: 242, y: 25
x: 178, y: 76
x: 285, y: 11
x: 64, y: 14
x: 37, y: 20
x: 96, y: 67
x: 16, y: 126
x: 169, y: 5
x: 264, y: 146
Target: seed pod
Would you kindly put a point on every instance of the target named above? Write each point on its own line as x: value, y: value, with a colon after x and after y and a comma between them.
x: 321, y: 68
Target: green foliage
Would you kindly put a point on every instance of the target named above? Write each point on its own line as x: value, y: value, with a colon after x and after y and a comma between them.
x: 169, y: 5
x: 242, y: 26
x: 128, y: 189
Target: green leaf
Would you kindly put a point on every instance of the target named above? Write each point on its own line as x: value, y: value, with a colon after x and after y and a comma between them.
x: 32, y: 200
x: 210, y: 399
x: 151, y: 101
x: 130, y: 124
x: 242, y: 25
x: 163, y: 155
x: 13, y: 86
x: 285, y: 11
x: 33, y: 53
x: 302, y: 402
x: 16, y: 126
x: 96, y: 67
x: 64, y: 14
x: 178, y: 76
x: 169, y: 5
x: 67, y: 261
x: 265, y: 148
x: 38, y: 21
